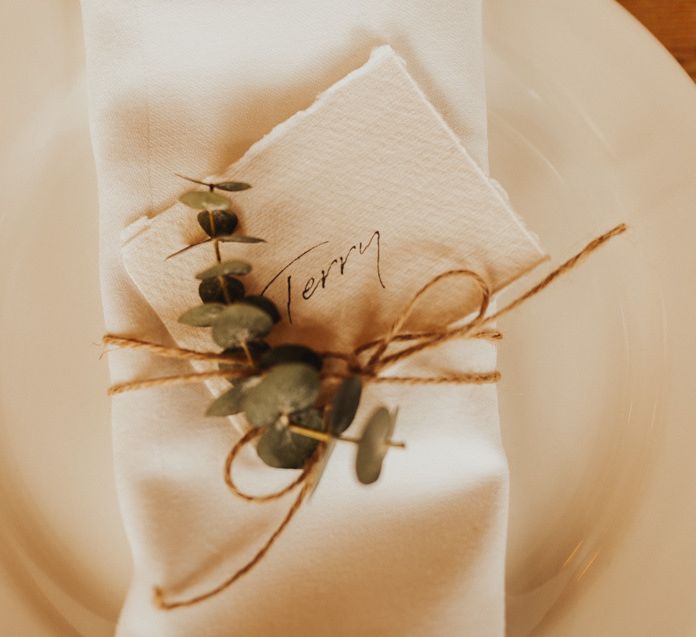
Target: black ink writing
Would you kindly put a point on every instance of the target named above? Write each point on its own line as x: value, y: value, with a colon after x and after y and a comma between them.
x: 313, y: 283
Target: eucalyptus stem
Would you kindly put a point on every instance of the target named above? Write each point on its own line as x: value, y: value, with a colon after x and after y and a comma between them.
x: 247, y: 352
x: 326, y: 437
x: 225, y: 290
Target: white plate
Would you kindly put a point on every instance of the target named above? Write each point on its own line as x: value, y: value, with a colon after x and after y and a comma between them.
x: 591, y: 123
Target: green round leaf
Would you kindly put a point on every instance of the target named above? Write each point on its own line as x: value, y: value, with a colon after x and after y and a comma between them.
x: 280, y: 448
x: 320, y: 468
x: 212, y: 289
x: 345, y: 405
x: 289, y: 353
x: 372, y: 446
x: 233, y: 267
x: 202, y: 315
x: 295, y: 386
x: 259, y: 409
x: 217, y: 223
x: 205, y: 200
x: 239, y: 323
x: 265, y: 304
x: 310, y: 418
x: 239, y: 238
x: 283, y: 390
x: 229, y: 403
x: 232, y: 186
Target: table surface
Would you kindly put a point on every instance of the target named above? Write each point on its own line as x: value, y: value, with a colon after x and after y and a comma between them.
x: 673, y: 22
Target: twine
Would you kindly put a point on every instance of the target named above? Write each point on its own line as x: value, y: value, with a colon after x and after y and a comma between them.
x: 159, y: 594
x: 379, y: 360
x: 247, y: 438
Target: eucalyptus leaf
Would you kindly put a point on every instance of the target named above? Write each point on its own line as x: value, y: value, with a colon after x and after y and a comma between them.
x: 259, y: 409
x: 187, y: 248
x: 311, y: 418
x: 290, y: 353
x: 345, y: 405
x: 239, y: 238
x: 212, y: 289
x: 283, y: 390
x: 217, y: 223
x: 239, y: 323
x: 229, y: 403
x: 321, y: 465
x: 294, y: 386
x: 372, y: 446
x: 232, y: 186
x: 265, y: 304
x: 205, y: 200
x: 202, y: 315
x: 234, y: 267
x: 191, y: 179
x: 280, y: 448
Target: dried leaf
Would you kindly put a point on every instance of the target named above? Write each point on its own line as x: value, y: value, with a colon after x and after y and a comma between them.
x: 202, y: 315
x: 205, y: 200
x: 372, y: 446
x: 283, y: 390
x: 345, y: 405
x: 283, y: 449
x: 289, y: 353
x: 212, y: 289
x: 239, y: 323
x: 265, y: 304
x: 234, y: 267
x: 232, y: 186
x: 217, y: 223
x: 239, y: 238
x: 230, y: 402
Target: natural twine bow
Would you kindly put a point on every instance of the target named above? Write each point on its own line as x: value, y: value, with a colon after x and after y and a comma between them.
x: 371, y: 370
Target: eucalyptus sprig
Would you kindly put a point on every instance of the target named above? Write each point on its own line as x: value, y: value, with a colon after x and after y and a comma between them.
x: 279, y: 389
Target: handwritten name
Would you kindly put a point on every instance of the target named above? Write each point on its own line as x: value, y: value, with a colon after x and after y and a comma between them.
x: 336, y: 268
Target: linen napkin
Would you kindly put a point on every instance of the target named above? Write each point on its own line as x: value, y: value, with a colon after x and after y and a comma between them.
x: 412, y: 556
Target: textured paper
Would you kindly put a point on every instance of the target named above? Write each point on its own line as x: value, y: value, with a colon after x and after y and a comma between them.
x: 362, y: 198
x: 188, y: 86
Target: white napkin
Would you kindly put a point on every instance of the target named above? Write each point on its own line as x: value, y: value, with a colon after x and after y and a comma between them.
x: 422, y: 552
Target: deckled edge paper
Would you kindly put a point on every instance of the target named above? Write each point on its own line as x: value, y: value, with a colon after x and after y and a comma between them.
x: 502, y: 252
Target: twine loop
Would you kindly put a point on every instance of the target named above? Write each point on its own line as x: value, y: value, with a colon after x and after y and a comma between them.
x: 246, y: 439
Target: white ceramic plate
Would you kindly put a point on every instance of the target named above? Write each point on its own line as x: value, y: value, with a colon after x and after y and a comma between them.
x: 591, y: 123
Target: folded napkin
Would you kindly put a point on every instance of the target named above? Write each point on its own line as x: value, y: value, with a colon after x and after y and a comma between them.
x: 421, y: 552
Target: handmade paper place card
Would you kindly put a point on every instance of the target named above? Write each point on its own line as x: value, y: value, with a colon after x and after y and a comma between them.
x: 361, y: 199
